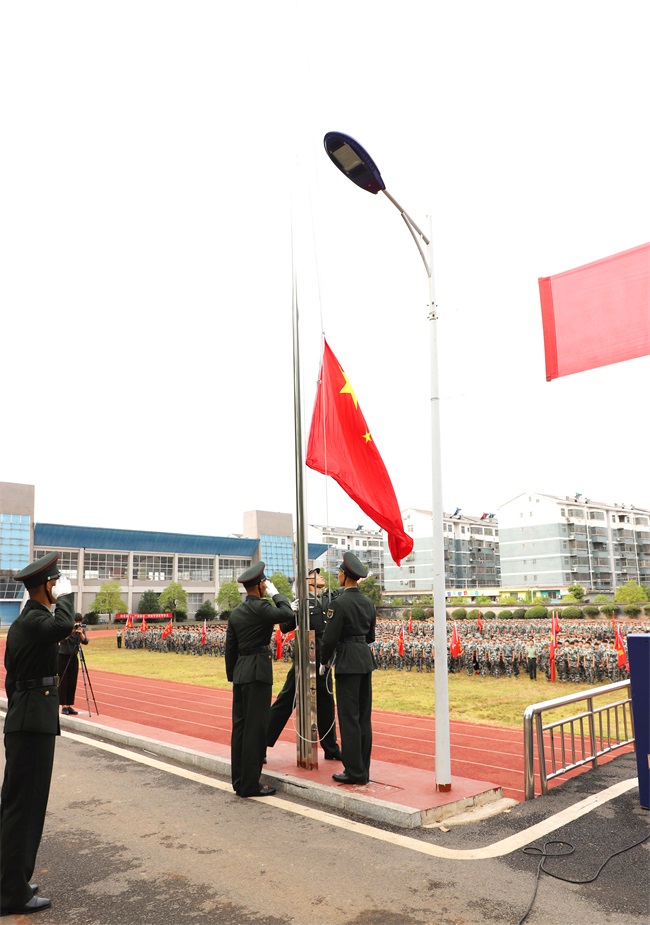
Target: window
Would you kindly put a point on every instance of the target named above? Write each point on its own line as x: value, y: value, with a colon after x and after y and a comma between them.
x: 195, y: 568
x: 194, y: 601
x: 596, y: 515
x: 106, y: 565
x: 229, y: 569
x: 14, y: 541
x: 153, y: 568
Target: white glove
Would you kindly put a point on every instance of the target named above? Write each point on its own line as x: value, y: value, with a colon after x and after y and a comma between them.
x: 63, y: 586
x: 322, y: 670
x: 295, y: 605
x: 271, y: 589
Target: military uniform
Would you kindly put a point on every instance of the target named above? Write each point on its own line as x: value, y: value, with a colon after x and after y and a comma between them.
x: 282, y: 707
x: 31, y: 727
x: 351, y: 621
x: 249, y: 666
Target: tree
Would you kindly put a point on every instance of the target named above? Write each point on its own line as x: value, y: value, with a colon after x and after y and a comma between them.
x: 283, y: 584
x: 371, y: 589
x: 173, y: 598
x: 577, y: 591
x: 149, y: 603
x: 602, y: 599
x: 206, y: 611
x: 482, y: 600
x: 229, y: 596
x: 331, y: 581
x: 630, y: 593
x: 109, y: 599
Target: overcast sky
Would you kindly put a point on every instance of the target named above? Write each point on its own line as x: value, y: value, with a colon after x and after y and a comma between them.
x: 156, y: 157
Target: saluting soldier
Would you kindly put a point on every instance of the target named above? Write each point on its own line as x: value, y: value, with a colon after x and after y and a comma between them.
x: 250, y: 667
x: 31, y: 727
x: 284, y: 702
x: 350, y: 628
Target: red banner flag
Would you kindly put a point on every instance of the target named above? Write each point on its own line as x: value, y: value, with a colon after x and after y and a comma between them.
x: 480, y: 623
x: 410, y: 623
x: 129, y: 622
x: 400, y: 641
x: 455, y: 648
x: 619, y: 645
x: 167, y: 631
x: 340, y: 445
x: 143, y: 626
x: 597, y: 314
x: 551, y: 652
x: 204, y: 632
x: 278, y: 644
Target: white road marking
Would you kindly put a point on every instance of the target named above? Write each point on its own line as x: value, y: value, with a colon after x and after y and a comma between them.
x: 497, y: 849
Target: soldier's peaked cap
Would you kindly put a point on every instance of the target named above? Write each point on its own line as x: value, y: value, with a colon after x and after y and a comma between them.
x: 352, y: 566
x: 253, y: 574
x: 39, y: 572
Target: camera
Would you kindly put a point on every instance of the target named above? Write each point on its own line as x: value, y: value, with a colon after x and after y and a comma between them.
x: 79, y: 627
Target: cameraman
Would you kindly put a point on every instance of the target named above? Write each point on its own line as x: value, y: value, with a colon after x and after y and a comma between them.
x: 67, y: 665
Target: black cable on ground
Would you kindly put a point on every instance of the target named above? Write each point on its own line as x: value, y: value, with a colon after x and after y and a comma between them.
x: 564, y: 850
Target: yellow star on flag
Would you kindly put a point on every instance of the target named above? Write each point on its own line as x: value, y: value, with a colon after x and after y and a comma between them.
x: 367, y: 437
x: 347, y: 389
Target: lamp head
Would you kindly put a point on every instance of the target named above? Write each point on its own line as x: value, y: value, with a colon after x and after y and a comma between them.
x: 354, y: 161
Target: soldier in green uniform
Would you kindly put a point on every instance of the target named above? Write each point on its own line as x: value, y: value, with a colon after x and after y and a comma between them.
x: 283, y: 705
x: 31, y: 727
x: 351, y: 621
x: 249, y: 666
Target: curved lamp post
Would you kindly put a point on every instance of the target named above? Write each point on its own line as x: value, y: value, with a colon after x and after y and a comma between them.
x: 357, y: 165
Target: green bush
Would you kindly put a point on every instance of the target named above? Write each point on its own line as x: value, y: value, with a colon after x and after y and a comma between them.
x: 572, y: 613
x: 632, y: 610
x: 646, y: 609
x: 91, y: 618
x: 417, y: 613
x: 180, y: 616
x: 473, y: 614
x: 537, y: 613
x: 519, y: 613
x: 590, y: 610
x: 609, y: 609
x: 505, y: 615
x: 489, y: 615
x: 602, y: 599
x: 459, y: 613
x: 428, y: 613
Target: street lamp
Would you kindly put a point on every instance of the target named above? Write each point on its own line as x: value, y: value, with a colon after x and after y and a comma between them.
x: 357, y: 165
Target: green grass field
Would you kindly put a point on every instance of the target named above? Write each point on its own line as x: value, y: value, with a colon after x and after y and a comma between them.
x: 498, y: 701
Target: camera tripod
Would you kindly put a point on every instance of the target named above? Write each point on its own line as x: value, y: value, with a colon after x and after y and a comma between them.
x: 84, y: 674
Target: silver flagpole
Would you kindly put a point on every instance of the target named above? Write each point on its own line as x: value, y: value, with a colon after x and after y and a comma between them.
x: 305, y: 652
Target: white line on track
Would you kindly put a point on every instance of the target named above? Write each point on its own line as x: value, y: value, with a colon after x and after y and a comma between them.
x: 497, y: 849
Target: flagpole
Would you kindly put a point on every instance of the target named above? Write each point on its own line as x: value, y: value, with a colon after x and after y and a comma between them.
x: 306, y: 746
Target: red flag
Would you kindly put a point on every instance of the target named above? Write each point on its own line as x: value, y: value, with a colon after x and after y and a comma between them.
x: 167, y: 631
x: 597, y: 314
x: 455, y: 648
x: 129, y: 622
x: 400, y: 641
x: 278, y: 644
x: 619, y: 645
x: 480, y: 622
x: 553, y: 647
x: 410, y: 623
x: 340, y: 445
x: 204, y: 632
x: 289, y: 636
x: 143, y: 626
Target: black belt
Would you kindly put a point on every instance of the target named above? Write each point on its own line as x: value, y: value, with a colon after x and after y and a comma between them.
x: 260, y: 650
x: 354, y: 639
x: 37, y: 682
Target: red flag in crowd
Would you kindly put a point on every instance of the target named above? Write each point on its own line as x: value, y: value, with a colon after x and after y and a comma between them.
x: 129, y: 622
x: 204, y: 632
x: 555, y: 627
x: 400, y: 641
x: 455, y: 647
x: 619, y: 645
x: 480, y: 622
x: 168, y: 630
x: 278, y: 644
x: 597, y: 314
x: 291, y: 635
x: 340, y: 445
x: 410, y: 623
x: 143, y: 626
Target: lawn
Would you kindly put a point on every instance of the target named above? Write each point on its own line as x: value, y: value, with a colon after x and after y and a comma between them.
x: 498, y: 701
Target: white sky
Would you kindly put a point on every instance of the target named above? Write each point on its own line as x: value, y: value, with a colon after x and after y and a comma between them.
x: 150, y: 158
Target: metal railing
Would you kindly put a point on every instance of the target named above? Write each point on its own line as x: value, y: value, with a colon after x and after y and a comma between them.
x: 577, y: 740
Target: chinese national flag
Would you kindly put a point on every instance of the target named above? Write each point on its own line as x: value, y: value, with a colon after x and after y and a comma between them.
x: 340, y: 445
x: 400, y: 641
x: 619, y: 645
x: 168, y: 630
x: 204, y: 632
x: 455, y: 647
x: 597, y: 314
x: 143, y: 626
x: 278, y: 644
